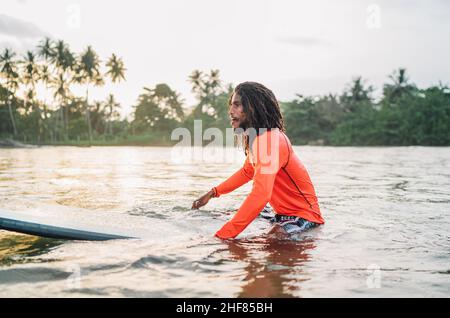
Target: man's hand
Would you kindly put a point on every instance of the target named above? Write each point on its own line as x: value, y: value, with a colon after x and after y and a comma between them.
x: 203, y: 200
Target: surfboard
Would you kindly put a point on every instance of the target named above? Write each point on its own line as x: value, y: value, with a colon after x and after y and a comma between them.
x: 148, y: 223
x: 35, y: 224
x: 73, y: 223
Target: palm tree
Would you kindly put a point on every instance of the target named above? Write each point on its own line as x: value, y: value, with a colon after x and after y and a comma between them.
x: 63, y: 58
x: 97, y: 114
x: 8, y: 69
x: 400, y: 86
x: 206, y: 87
x: 213, y: 90
x: 89, y: 73
x: 196, y: 79
x: 61, y: 92
x: 64, y: 62
x: 46, y: 51
x: 356, y: 94
x: 116, y: 69
x: 111, y: 107
x: 44, y: 78
x: 30, y: 76
x: 214, y: 80
x: 116, y: 72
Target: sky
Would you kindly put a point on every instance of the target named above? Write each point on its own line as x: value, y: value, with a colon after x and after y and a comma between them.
x: 291, y: 46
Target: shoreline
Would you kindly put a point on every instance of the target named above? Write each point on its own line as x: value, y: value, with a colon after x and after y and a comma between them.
x: 13, y: 144
x: 10, y: 143
x: 138, y: 141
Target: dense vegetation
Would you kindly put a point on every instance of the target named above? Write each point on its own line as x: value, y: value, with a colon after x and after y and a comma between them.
x: 403, y: 115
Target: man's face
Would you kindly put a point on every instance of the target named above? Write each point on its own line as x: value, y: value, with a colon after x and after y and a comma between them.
x: 236, y: 112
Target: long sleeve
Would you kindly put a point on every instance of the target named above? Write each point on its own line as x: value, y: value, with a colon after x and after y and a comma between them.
x: 260, y: 195
x: 238, y: 179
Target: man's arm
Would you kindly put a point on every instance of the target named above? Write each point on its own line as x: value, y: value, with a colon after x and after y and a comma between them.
x: 252, y: 206
x: 241, y: 177
x: 238, y: 179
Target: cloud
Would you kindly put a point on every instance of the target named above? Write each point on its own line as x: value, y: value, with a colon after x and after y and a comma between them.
x: 18, y: 46
x: 286, y: 89
x: 19, y: 29
x: 303, y: 41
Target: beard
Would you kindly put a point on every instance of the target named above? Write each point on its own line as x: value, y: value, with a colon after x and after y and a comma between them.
x: 240, y: 130
x: 243, y: 126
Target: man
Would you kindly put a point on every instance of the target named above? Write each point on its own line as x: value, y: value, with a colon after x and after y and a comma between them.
x: 279, y: 178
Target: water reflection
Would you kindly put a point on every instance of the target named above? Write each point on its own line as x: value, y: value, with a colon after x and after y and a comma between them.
x: 15, y: 249
x: 275, y: 266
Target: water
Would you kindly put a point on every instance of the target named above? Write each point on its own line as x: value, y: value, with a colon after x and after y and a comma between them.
x: 387, y: 232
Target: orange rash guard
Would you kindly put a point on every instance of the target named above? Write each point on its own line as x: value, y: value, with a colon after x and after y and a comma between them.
x: 279, y: 178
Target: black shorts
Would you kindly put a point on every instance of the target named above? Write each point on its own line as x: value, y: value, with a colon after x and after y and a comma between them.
x: 291, y: 224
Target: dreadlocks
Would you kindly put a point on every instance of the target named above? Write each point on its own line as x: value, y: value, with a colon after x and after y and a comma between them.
x: 261, y: 108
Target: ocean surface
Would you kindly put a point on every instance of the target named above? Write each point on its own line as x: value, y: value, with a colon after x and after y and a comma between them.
x: 387, y: 231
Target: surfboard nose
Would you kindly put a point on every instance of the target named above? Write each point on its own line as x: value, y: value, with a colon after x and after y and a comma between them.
x: 14, y: 222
